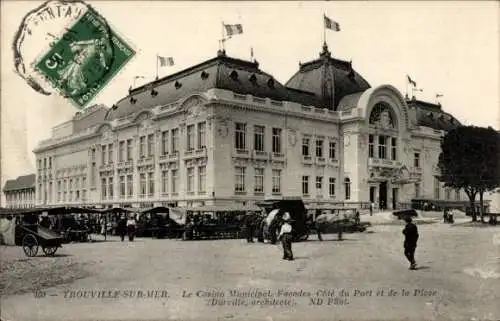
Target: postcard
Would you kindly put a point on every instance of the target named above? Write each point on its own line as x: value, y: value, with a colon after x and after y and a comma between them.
x: 253, y: 160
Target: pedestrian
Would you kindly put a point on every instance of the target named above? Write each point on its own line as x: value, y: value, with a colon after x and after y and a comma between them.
x: 121, y: 227
x: 286, y: 237
x: 249, y: 226
x: 131, y: 223
x: 371, y: 208
x: 410, y: 243
x: 357, y: 219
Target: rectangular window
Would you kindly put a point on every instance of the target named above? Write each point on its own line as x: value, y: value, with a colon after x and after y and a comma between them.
x: 104, y: 189
x: 202, y: 133
x: 129, y: 149
x: 305, y: 146
x: 110, y: 153
x: 276, y: 181
x: 121, y: 151
x: 447, y: 194
x: 277, y: 140
x: 110, y: 187
x: 239, y: 185
x: 331, y: 150
x: 58, y: 191
x: 457, y: 195
x: 416, y: 160
x: 142, y: 184
x: 202, y: 179
x: 164, y: 142
x: 130, y: 186
x: 122, y: 186
x: 175, y: 181
x: 103, y: 154
x: 92, y: 155
x: 319, y: 185
x: 382, y: 147
x: 175, y: 141
x: 259, y: 180
x: 417, y: 190
x: 151, y: 145
x: 305, y: 185
x: 151, y: 184
x: 331, y: 186
x: 437, y: 189
x: 371, y: 146
x: 258, y: 138
x: 319, y: 148
x: 84, y: 195
x: 190, y: 137
x: 240, y: 133
x: 50, y: 162
x: 190, y: 180
x: 394, y: 148
x: 142, y: 146
x: 164, y: 182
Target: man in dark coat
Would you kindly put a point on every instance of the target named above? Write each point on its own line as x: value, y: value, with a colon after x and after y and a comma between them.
x: 121, y: 228
x: 410, y: 244
x: 249, y: 226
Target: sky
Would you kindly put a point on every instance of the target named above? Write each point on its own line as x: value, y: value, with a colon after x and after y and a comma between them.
x: 449, y: 47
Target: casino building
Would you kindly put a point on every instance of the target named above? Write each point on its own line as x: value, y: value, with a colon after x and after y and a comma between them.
x: 225, y: 132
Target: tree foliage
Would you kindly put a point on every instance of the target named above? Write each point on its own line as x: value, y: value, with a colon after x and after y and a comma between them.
x: 470, y: 160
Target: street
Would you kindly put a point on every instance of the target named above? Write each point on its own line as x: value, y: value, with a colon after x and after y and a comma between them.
x: 363, y: 277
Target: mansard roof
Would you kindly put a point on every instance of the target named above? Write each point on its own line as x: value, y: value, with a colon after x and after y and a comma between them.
x: 21, y: 182
x: 432, y: 115
x: 222, y: 72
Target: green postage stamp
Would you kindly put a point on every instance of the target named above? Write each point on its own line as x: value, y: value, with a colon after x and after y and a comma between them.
x: 84, y: 59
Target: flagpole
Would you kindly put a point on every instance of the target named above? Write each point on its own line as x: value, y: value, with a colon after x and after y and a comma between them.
x: 157, y: 66
x: 222, y: 37
x: 324, y: 29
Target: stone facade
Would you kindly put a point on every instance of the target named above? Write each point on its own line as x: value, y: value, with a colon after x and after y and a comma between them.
x: 221, y: 145
x: 20, y: 192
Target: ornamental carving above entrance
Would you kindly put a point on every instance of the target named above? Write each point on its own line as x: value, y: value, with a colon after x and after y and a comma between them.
x: 381, y: 116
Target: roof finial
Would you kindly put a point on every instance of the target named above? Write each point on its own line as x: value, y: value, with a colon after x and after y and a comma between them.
x: 325, y: 52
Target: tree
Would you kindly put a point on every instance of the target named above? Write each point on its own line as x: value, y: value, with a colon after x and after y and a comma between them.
x: 470, y: 159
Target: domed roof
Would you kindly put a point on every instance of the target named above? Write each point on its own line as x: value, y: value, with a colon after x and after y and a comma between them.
x: 223, y: 72
x: 330, y: 79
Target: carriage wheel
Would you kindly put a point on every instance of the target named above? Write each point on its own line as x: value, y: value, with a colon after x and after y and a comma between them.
x: 49, y: 250
x: 30, y: 245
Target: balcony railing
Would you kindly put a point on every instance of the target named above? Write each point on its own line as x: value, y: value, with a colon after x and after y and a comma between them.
x: 384, y: 163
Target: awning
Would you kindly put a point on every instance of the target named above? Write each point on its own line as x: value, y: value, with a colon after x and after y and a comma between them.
x: 225, y: 208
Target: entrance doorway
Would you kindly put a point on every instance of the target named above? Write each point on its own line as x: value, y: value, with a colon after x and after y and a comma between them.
x: 394, y: 198
x: 382, y: 195
x: 372, y: 194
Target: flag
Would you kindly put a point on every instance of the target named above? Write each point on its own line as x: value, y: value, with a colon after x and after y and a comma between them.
x: 251, y: 52
x: 166, y: 61
x: 330, y: 24
x: 439, y: 95
x: 411, y: 81
x: 232, y: 30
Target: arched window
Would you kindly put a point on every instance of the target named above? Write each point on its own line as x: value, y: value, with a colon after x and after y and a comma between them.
x: 382, y: 115
x: 347, y: 186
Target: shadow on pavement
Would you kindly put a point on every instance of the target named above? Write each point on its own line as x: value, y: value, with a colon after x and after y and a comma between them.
x: 423, y: 267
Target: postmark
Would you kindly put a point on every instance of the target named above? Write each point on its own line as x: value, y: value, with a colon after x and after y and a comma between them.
x: 68, y: 47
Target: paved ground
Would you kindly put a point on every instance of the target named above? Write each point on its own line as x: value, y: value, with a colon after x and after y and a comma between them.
x: 459, y: 279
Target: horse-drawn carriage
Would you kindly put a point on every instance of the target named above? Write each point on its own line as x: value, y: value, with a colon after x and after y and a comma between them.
x: 215, y: 222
